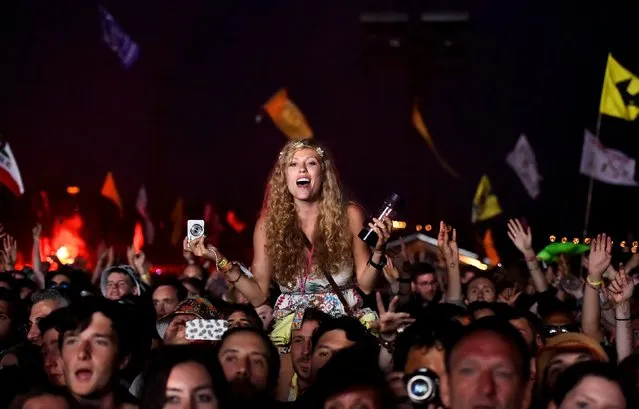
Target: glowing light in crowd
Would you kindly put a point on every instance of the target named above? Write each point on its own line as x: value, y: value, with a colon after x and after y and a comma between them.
x: 622, y: 244
x: 575, y: 240
x: 418, y: 227
x: 553, y: 238
x: 73, y: 190
x: 399, y: 224
x: 429, y: 227
x: 66, y: 234
x: 63, y: 255
x: 587, y: 240
x: 564, y: 239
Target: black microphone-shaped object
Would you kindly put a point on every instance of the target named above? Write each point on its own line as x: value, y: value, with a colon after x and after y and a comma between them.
x: 388, y: 209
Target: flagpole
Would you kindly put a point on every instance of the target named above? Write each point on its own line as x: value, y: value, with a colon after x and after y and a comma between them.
x: 591, y: 184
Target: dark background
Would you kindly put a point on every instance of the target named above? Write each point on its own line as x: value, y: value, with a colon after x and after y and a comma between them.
x: 182, y: 120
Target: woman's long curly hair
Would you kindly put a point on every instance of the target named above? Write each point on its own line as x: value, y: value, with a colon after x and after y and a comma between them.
x: 285, y: 240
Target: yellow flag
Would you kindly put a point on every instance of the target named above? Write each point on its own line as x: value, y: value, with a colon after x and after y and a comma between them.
x: 418, y: 123
x: 287, y: 116
x: 620, y: 93
x: 485, y: 203
x: 178, y: 221
x: 111, y: 192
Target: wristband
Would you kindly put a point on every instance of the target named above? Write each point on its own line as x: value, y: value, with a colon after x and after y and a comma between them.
x: 623, y: 319
x: 593, y: 283
x: 382, y: 262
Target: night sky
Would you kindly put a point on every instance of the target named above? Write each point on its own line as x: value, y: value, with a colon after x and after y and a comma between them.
x: 182, y: 120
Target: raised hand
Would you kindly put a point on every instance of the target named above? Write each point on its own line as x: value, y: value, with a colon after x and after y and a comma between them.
x: 600, y: 256
x: 509, y: 296
x: 448, y: 246
x: 130, y: 255
x: 621, y: 287
x: 37, y: 230
x: 522, y: 239
x: 139, y: 261
x: 383, y: 228
x: 199, y: 248
x: 10, y: 254
x: 389, y: 320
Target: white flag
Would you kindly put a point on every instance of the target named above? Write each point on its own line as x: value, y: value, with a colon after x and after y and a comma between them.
x: 9, y: 172
x: 141, y: 206
x: 522, y: 160
x: 606, y: 165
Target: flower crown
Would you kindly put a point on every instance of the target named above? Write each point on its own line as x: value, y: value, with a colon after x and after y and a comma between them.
x: 302, y: 144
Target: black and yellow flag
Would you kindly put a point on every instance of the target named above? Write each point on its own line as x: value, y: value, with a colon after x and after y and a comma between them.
x: 287, y: 116
x: 420, y: 125
x: 620, y: 93
x: 485, y: 203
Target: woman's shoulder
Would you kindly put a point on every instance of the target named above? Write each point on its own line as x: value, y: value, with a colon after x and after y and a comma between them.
x: 355, y: 211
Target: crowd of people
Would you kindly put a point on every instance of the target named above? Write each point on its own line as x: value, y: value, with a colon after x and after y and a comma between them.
x: 307, y: 324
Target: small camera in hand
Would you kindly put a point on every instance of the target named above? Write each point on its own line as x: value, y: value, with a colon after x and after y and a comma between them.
x: 423, y: 387
x: 194, y: 229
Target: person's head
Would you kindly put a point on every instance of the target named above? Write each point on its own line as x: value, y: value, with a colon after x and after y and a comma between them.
x: 50, y: 347
x: 7, y: 281
x: 193, y: 286
x: 593, y: 385
x: 304, y: 172
x: 243, y: 315
x: 47, y: 398
x: 44, y: 303
x: 11, y: 317
x: 480, y: 289
x: 194, y: 271
x: 529, y: 326
x: 94, y: 345
x: 488, y: 365
x: 167, y: 293
x: 424, y: 281
x: 119, y: 281
x: 172, y: 327
x: 563, y: 351
x: 301, y: 342
x: 352, y: 380
x: 336, y: 334
x: 251, y: 363
x: 58, y: 279
x: 184, y: 377
x: 26, y: 288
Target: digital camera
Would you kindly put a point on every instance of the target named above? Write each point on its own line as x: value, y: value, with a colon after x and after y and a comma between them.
x: 423, y: 386
x: 194, y: 229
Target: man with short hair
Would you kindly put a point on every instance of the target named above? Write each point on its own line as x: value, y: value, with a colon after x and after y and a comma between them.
x: 119, y: 281
x: 424, y: 284
x: 251, y: 364
x: 301, y: 351
x: 95, y: 346
x: 488, y: 365
x: 168, y: 292
x: 480, y: 289
x: 44, y: 303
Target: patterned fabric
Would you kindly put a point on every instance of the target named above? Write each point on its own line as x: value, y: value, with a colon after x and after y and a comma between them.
x: 317, y: 293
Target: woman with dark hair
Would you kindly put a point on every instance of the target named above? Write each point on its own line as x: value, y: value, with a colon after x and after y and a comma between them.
x: 13, y: 320
x: 593, y: 385
x: 177, y: 376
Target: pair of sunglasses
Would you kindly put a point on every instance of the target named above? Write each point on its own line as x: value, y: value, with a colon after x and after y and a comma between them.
x: 64, y: 285
x: 554, y: 330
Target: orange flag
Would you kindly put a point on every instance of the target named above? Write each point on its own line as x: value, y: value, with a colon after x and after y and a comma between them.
x: 287, y: 116
x: 178, y: 221
x: 138, y: 238
x: 418, y: 123
x: 111, y: 192
x: 489, y: 247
